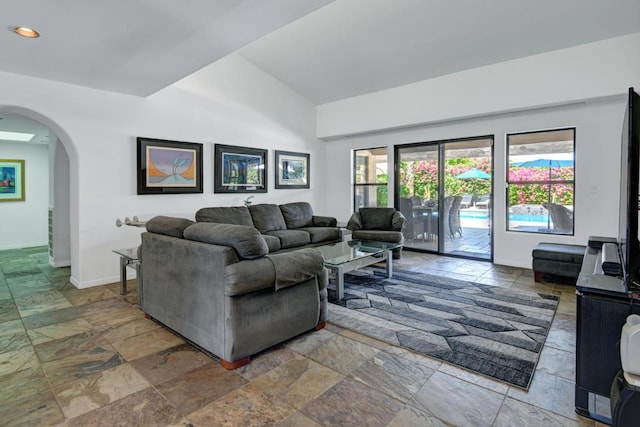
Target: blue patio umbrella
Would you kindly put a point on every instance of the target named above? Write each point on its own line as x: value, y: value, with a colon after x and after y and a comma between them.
x: 473, y: 174
x: 544, y: 163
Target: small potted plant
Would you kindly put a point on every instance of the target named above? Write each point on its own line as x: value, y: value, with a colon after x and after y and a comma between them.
x: 247, y: 202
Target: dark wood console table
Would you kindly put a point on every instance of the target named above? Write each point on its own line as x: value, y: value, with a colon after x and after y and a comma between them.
x: 603, y: 305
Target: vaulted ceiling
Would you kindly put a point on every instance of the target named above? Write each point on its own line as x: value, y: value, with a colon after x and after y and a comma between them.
x: 323, y: 49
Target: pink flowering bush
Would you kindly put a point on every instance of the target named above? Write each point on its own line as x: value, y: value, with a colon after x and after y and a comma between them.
x: 528, y: 185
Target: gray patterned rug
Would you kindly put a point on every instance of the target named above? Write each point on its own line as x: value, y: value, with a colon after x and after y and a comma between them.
x: 488, y: 329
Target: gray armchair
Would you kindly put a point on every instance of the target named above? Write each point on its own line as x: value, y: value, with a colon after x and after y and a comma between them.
x: 378, y: 224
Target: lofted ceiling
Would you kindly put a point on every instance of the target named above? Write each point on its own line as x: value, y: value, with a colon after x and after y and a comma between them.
x: 325, y: 50
x: 354, y: 47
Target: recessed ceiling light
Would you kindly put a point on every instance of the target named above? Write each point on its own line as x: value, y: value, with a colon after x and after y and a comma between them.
x: 26, y: 32
x: 16, y: 136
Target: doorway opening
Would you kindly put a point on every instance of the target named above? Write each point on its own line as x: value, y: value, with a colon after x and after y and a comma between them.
x: 444, y: 189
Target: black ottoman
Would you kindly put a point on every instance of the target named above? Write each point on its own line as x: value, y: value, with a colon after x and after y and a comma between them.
x: 558, y: 260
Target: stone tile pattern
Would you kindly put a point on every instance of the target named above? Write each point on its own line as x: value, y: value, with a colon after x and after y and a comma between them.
x: 494, y: 331
x: 72, y: 357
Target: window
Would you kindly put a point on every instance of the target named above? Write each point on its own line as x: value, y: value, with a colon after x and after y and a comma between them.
x: 370, y: 178
x: 541, y: 182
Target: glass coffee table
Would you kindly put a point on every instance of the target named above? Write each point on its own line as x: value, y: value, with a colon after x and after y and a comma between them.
x: 347, y: 256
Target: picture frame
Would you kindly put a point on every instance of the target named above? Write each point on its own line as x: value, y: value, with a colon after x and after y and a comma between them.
x: 239, y: 169
x: 12, y: 183
x: 169, y: 167
x: 292, y: 170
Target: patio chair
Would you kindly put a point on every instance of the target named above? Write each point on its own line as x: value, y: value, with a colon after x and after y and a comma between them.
x: 467, y: 199
x: 454, y: 218
x: 484, y: 201
x: 561, y: 217
x: 415, y: 224
x: 446, y: 213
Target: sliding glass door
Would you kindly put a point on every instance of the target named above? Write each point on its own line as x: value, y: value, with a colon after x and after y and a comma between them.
x: 444, y: 188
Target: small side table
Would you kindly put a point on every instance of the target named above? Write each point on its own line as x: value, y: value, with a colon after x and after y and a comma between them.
x: 128, y: 258
x: 344, y: 231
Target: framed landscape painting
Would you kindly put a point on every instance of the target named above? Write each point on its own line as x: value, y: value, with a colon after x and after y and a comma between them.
x: 240, y: 170
x: 292, y: 170
x: 11, y: 180
x: 169, y: 167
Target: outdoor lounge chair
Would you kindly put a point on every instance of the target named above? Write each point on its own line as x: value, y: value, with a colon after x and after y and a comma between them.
x: 483, y: 202
x: 467, y: 199
x: 561, y: 217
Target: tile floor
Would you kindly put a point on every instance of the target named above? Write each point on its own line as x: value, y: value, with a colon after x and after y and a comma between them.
x: 72, y: 357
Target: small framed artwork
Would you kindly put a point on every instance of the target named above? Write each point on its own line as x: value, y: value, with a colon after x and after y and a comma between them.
x: 240, y: 170
x: 169, y: 167
x: 11, y: 180
x: 292, y: 170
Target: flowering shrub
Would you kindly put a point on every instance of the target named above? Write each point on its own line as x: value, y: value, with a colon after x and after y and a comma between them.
x: 528, y: 184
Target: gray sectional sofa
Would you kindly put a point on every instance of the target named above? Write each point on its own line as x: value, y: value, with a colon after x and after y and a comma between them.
x: 238, y: 280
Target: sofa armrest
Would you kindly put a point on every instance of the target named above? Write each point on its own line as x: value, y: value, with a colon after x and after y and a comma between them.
x: 324, y: 221
x: 398, y: 221
x: 273, y: 272
x: 355, y: 222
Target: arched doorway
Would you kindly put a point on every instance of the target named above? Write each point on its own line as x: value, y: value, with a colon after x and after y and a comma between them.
x: 52, y: 159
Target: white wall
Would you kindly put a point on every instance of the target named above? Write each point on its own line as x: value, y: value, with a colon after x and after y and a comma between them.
x: 230, y: 102
x: 24, y: 224
x: 564, y: 76
x: 59, y: 201
x: 597, y: 170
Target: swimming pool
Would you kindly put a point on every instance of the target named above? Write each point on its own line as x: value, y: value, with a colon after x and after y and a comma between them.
x: 512, y: 216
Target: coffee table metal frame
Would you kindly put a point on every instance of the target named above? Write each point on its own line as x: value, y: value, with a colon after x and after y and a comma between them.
x: 128, y: 258
x: 343, y: 257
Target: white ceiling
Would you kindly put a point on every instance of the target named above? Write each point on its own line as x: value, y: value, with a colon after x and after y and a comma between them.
x: 353, y: 47
x: 134, y: 46
x: 325, y: 50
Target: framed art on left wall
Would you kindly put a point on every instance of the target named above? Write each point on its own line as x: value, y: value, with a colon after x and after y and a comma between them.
x: 169, y: 167
x: 11, y: 180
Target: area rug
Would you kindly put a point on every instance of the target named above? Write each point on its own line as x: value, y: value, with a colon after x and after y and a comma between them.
x: 487, y: 329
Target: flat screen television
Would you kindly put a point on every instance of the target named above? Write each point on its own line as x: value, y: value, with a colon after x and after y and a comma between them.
x: 629, y: 242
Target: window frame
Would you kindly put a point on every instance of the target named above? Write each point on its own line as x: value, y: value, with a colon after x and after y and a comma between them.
x: 357, y: 185
x: 509, y: 183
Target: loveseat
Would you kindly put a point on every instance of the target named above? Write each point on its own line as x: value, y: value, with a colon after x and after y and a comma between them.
x: 221, y: 287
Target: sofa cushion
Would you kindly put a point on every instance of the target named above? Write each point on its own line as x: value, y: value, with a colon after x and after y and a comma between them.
x: 297, y: 214
x: 376, y: 218
x: 322, y: 234
x: 267, y: 217
x: 291, y: 238
x: 169, y: 226
x: 272, y: 242
x: 246, y: 241
x: 238, y: 215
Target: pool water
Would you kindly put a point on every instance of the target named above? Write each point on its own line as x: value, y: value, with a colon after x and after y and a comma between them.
x: 512, y: 217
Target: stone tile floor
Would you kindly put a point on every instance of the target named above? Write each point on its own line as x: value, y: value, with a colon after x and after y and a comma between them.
x: 72, y: 357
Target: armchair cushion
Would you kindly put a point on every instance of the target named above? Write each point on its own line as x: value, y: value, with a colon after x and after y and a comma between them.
x: 355, y: 222
x: 376, y: 218
x: 247, y: 241
x: 267, y: 217
x: 169, y: 226
x: 398, y: 221
x: 296, y: 215
x: 238, y: 215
